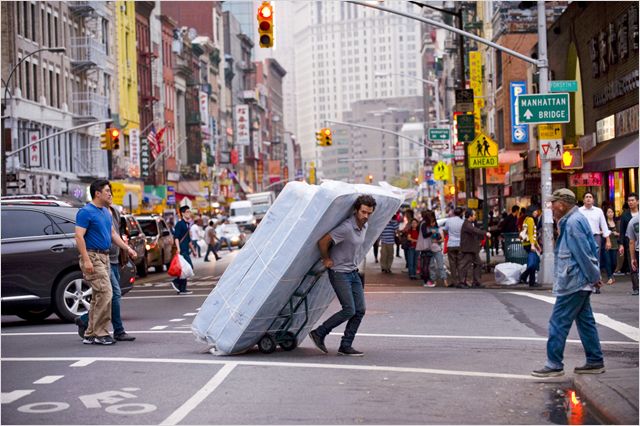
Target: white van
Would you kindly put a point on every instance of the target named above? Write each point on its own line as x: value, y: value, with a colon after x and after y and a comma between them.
x: 241, y: 213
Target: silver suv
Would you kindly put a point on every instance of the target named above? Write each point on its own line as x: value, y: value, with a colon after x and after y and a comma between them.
x: 159, y: 241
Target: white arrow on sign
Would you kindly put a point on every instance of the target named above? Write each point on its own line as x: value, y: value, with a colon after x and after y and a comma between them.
x: 528, y: 114
x: 519, y: 134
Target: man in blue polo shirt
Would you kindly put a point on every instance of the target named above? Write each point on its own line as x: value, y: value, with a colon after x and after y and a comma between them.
x: 94, y: 232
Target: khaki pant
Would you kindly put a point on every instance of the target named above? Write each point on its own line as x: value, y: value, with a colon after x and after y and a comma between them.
x: 470, y: 262
x: 386, y: 256
x: 454, y: 256
x: 100, y: 281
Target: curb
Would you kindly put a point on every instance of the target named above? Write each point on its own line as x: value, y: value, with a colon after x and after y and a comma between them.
x: 609, y: 394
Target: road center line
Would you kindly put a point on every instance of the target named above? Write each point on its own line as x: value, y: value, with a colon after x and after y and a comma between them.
x: 602, y: 319
x: 186, y: 408
x: 46, y: 380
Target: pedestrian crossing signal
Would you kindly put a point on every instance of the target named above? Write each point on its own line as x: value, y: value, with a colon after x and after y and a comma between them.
x: 571, y: 158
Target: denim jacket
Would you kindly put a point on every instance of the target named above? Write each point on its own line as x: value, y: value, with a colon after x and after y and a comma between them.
x: 576, y: 254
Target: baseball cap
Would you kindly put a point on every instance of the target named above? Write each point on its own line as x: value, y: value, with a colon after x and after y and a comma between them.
x: 563, y: 194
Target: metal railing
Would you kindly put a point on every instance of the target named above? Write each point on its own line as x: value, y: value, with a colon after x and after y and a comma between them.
x: 87, y: 52
x: 90, y: 105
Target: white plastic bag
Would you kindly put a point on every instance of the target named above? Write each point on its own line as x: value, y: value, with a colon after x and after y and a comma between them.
x: 187, y: 270
x: 509, y: 273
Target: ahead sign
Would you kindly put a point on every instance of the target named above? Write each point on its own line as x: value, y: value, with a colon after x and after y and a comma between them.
x: 550, y: 108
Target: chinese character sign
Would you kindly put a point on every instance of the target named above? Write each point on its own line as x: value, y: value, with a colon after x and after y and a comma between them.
x: 242, y: 125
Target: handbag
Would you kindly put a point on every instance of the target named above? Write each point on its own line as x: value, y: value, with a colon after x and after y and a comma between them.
x: 524, y: 235
x: 424, y: 243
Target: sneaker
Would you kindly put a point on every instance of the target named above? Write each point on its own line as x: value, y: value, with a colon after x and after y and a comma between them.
x: 589, y: 369
x: 548, y: 372
x: 318, y: 341
x: 88, y: 340
x: 103, y: 340
x: 185, y: 292
x: 124, y: 337
x: 619, y: 274
x: 430, y: 284
x: 175, y: 287
x: 81, y: 327
x: 206, y: 260
x: 462, y: 285
x: 635, y: 293
x: 349, y: 351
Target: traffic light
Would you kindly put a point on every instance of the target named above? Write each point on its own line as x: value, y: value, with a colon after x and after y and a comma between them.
x: 105, y: 139
x: 571, y: 158
x: 320, y: 138
x: 115, y: 138
x: 370, y: 178
x: 327, y: 137
x: 265, y: 24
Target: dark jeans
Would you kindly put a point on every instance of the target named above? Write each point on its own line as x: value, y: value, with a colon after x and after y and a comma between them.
x: 567, y: 309
x: 116, y: 319
x: 211, y: 248
x: 412, y: 258
x: 376, y: 246
x: 530, y: 272
x: 350, y: 292
x: 634, y: 274
x: 610, y: 261
x: 179, y: 282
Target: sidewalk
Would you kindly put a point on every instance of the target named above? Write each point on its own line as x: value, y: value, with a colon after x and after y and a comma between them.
x: 612, y: 395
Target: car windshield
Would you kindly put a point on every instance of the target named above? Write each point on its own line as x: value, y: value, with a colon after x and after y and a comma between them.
x: 241, y: 211
x: 149, y: 227
x: 260, y: 209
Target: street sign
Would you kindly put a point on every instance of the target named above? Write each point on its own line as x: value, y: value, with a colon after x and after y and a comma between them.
x: 439, y: 134
x: 464, y: 100
x: 18, y: 184
x: 458, y: 151
x: 549, y: 131
x: 482, y: 152
x: 549, y: 108
x: 563, y: 86
x: 551, y: 149
x: 441, y: 171
x: 466, y: 127
x: 519, y: 132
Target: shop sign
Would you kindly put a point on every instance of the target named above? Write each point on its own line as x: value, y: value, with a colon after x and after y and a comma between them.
x: 616, y: 88
x: 145, y: 158
x: 605, y: 129
x: 627, y: 121
x: 458, y: 152
x: 587, y: 142
x: 242, y: 125
x: 274, y: 171
x: 475, y: 73
x: 134, y: 153
x: 34, y: 150
x: 260, y: 170
x: 496, y: 175
x: 234, y: 157
x: 519, y: 132
x: 611, y: 44
x: 586, y: 179
x: 173, y: 176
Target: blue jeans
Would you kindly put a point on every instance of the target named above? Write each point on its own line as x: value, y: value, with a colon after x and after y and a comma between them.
x: 573, y: 307
x: 219, y: 245
x: 412, y: 255
x: 181, y: 283
x: 610, y: 261
x: 350, y: 292
x: 116, y: 319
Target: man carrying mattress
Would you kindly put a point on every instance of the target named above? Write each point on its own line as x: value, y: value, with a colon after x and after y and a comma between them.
x: 338, y: 251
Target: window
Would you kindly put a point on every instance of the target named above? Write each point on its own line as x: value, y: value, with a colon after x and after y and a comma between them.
x: 498, y: 69
x: 18, y: 15
x: 55, y: 30
x: 105, y: 35
x: 58, y: 90
x: 25, y: 19
x: 49, y: 29
x: 51, y: 89
x: 33, y: 22
x: 35, y: 82
x: 25, y: 223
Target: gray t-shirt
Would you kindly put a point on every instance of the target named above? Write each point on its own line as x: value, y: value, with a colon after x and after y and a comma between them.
x: 453, y: 226
x: 632, y: 231
x: 348, y: 240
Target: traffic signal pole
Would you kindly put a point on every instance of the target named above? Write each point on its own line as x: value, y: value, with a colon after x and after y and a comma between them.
x: 542, y: 65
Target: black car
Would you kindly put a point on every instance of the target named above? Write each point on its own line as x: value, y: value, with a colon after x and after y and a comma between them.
x: 133, y: 235
x: 40, y: 270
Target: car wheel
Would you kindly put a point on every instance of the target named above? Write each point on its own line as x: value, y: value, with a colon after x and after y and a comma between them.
x: 72, y: 297
x: 35, y: 314
x: 143, y: 266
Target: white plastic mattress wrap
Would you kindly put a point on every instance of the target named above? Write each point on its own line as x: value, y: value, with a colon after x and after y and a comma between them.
x: 274, y: 261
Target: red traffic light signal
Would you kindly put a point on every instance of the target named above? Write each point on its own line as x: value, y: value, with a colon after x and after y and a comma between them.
x: 571, y: 159
x: 265, y: 24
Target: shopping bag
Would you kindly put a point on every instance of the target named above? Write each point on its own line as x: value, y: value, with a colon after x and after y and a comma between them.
x: 174, y: 268
x: 508, y: 273
x: 187, y: 270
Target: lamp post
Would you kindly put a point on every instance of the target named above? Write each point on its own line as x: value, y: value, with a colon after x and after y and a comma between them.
x: 4, y: 107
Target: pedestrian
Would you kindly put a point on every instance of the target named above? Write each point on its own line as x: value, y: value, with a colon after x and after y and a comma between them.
x: 453, y: 229
x: 82, y: 321
x: 387, y: 240
x: 183, y: 246
x: 195, y: 231
x: 511, y: 221
x: 376, y: 247
x: 576, y: 274
x: 412, y: 238
x: 222, y: 238
x: 521, y: 217
x: 630, y: 213
x: 632, y: 236
x: 598, y: 224
x: 470, y: 238
x: 399, y: 219
x: 94, y: 233
x: 211, y: 240
x: 404, y: 227
x: 611, y: 255
x: 338, y: 250
x: 436, y: 266
x: 531, y: 246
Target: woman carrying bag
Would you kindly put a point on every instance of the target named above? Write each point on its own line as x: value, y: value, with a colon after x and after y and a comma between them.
x: 529, y: 237
x: 423, y: 248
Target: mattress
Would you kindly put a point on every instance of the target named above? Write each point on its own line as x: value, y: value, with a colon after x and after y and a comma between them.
x: 274, y: 263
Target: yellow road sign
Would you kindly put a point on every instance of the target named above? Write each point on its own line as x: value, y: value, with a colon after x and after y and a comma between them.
x: 441, y: 171
x: 482, y: 152
x: 549, y: 131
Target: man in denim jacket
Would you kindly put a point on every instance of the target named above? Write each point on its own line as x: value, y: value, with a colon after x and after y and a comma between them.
x: 577, y: 274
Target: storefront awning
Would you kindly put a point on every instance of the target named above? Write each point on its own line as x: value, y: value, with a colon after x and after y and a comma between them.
x: 619, y: 153
x: 509, y: 157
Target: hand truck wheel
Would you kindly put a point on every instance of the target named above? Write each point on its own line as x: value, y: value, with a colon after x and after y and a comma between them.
x: 267, y: 344
x: 288, y: 342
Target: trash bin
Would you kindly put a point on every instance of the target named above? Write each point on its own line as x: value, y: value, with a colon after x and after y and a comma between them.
x: 514, y: 252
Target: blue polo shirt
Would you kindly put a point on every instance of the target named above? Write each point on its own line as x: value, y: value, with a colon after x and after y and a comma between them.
x: 97, y: 222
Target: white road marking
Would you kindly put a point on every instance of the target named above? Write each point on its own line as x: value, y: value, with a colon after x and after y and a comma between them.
x: 46, y: 380
x: 181, y: 296
x: 190, y: 314
x: 159, y: 327
x: 82, y: 363
x: 602, y: 319
x: 186, y: 408
x: 425, y: 291
x: 9, y: 397
x: 413, y: 370
x: 176, y: 319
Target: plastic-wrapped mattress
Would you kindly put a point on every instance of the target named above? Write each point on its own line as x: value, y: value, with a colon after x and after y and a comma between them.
x: 275, y: 260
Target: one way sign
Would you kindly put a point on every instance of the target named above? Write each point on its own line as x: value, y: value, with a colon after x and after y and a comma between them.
x: 551, y: 149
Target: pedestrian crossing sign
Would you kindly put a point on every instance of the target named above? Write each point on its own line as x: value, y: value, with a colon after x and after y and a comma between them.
x: 482, y: 152
x: 441, y: 171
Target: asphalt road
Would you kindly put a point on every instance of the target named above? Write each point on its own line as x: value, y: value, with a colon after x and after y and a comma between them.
x: 432, y: 356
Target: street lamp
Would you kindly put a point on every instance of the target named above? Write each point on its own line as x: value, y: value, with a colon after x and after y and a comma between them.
x: 4, y: 107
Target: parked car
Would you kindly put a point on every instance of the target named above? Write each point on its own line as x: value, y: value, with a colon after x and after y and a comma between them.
x: 132, y: 234
x: 40, y: 269
x: 233, y: 233
x: 159, y: 241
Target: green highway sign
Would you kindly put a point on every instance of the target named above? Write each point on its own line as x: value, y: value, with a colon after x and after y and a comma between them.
x: 548, y: 108
x: 563, y: 86
x: 466, y: 127
x: 439, y: 135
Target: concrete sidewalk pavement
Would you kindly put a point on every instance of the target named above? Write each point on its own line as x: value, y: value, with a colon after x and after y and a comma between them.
x: 613, y: 395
